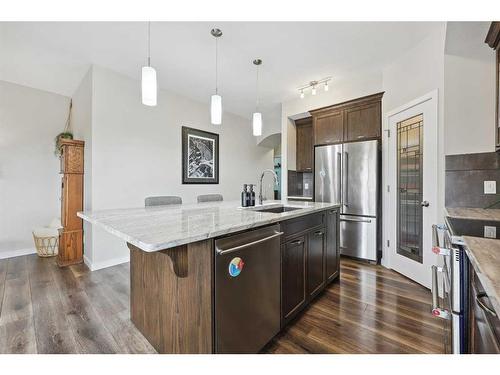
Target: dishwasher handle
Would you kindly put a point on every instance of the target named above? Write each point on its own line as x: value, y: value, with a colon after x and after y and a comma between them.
x: 227, y: 251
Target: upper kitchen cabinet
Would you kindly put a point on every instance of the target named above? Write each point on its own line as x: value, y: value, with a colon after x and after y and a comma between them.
x: 354, y: 120
x: 363, y: 122
x: 493, y: 40
x: 305, y: 146
x: 328, y: 126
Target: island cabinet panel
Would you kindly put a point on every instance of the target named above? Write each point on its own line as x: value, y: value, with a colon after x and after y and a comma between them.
x: 306, y: 259
x: 332, y: 251
x: 171, y: 297
x: 293, y: 270
x: 315, y: 261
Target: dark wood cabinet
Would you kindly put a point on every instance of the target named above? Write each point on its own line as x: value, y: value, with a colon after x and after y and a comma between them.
x: 493, y: 40
x: 306, y: 259
x: 484, y: 323
x: 315, y: 261
x: 293, y: 271
x: 354, y: 120
x: 328, y: 127
x: 332, y: 251
x: 304, y: 145
x: 362, y: 122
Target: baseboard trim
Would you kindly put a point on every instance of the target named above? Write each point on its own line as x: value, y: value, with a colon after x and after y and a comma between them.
x: 17, y: 253
x: 94, y: 266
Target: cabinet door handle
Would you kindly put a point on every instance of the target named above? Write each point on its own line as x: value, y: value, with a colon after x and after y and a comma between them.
x: 482, y: 305
x: 319, y: 233
x: 296, y: 242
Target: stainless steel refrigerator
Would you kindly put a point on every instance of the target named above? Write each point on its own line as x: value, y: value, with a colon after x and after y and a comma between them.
x: 348, y: 174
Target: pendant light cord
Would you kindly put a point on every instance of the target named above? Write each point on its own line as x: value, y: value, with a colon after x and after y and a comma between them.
x: 216, y: 65
x: 149, y: 43
x: 257, y: 101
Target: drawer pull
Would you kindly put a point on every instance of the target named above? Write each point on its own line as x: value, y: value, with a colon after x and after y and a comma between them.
x: 319, y: 233
x: 296, y: 242
x: 482, y: 305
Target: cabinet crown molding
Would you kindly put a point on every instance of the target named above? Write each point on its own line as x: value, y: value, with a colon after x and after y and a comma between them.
x: 363, y: 100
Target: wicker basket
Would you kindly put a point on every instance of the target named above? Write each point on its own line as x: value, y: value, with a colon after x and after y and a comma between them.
x: 46, y: 242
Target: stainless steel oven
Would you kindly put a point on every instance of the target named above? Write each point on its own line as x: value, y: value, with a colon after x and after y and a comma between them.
x: 450, y: 301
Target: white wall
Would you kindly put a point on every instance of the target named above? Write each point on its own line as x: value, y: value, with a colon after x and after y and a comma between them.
x: 416, y: 73
x: 469, y: 89
x: 29, y: 171
x: 82, y: 129
x: 136, y: 152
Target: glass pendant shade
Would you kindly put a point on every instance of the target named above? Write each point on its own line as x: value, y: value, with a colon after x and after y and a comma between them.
x: 149, y: 86
x: 257, y: 124
x: 216, y: 110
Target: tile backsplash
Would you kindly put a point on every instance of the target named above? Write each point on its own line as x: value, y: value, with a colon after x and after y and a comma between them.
x: 465, y: 176
x: 300, y: 184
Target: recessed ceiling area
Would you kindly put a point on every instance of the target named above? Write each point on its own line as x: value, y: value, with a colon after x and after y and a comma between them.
x: 54, y: 56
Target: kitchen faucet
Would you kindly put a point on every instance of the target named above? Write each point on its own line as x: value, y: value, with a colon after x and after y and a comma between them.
x: 261, y: 177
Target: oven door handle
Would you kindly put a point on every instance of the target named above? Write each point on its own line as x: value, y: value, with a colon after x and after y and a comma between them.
x: 436, y: 310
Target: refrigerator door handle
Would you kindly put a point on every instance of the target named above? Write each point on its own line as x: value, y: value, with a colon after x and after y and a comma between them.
x: 339, y: 174
x: 356, y: 220
x: 436, y: 310
x: 346, y: 178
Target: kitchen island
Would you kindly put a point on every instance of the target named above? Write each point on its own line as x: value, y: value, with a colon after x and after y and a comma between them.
x: 173, y: 257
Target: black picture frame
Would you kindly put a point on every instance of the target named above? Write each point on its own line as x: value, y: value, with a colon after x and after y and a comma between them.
x: 197, y: 145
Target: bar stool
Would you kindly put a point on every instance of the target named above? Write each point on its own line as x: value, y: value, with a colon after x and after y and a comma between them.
x: 162, y: 200
x: 210, y: 198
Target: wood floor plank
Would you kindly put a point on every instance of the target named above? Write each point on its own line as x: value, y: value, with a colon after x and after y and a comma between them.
x: 53, y: 334
x: 18, y: 337
x: 105, y: 295
x: 46, y: 309
x: 16, y: 300
x: 3, y: 276
x: 90, y: 334
x: 370, y: 310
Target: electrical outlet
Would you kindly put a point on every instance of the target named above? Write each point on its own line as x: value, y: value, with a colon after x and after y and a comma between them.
x: 490, y: 187
x: 490, y: 232
x: 306, y: 186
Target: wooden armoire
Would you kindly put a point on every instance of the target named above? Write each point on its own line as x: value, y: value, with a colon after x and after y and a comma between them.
x: 71, y: 234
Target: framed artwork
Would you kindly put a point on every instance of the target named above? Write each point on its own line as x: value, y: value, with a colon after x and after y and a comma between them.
x: 200, y: 156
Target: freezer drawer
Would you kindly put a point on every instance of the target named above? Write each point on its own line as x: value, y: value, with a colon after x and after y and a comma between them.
x: 247, y: 290
x: 358, y: 237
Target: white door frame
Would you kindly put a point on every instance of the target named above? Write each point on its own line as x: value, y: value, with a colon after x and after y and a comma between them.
x: 388, y: 229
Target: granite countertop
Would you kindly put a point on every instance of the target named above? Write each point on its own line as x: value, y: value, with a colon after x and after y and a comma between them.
x: 490, y: 214
x: 162, y: 227
x: 484, y: 255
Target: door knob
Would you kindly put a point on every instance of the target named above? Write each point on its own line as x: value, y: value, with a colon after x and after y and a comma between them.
x: 424, y: 204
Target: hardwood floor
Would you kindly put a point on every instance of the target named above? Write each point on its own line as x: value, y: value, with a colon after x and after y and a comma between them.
x: 45, y: 309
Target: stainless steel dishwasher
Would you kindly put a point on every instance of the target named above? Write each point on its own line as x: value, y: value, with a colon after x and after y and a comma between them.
x: 247, y: 290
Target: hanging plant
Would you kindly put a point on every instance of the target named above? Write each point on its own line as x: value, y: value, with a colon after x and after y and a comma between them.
x: 66, y: 134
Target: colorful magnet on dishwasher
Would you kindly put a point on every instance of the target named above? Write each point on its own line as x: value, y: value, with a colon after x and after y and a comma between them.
x: 235, y: 266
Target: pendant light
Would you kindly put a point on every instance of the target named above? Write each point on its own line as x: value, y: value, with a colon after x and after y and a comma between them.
x: 257, y: 116
x: 148, y: 80
x: 216, y: 100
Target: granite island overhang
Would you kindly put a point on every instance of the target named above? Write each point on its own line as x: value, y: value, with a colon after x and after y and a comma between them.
x: 172, y: 263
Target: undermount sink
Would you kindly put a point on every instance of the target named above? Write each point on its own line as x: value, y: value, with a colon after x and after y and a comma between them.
x: 277, y: 209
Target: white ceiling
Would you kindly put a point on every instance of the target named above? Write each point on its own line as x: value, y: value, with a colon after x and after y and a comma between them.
x: 54, y: 56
